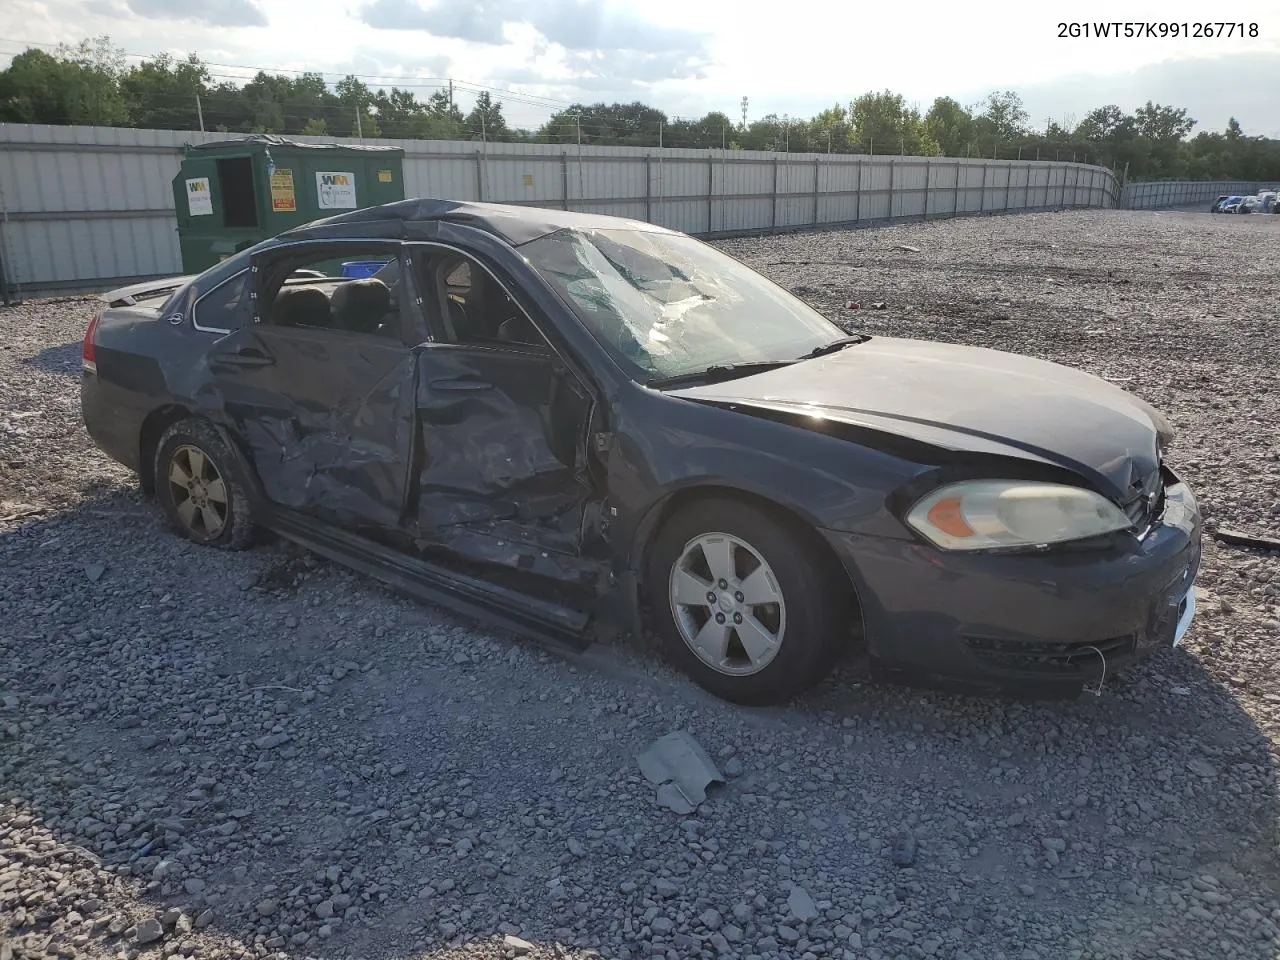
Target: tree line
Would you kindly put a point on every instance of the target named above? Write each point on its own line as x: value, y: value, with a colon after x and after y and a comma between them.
x: 90, y: 84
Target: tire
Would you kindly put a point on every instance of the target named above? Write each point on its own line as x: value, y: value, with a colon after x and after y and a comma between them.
x: 806, y: 625
x: 220, y: 514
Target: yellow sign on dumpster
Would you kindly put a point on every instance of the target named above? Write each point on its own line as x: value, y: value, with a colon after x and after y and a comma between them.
x: 282, y: 196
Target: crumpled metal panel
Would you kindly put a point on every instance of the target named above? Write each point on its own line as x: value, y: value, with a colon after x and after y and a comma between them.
x: 493, y: 438
x: 329, y: 423
x: 681, y: 770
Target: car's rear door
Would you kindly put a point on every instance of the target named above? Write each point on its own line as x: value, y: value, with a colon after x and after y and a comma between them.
x: 324, y: 397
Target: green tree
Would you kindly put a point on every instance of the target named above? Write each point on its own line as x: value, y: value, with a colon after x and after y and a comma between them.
x: 161, y: 92
x: 316, y: 127
x: 831, y: 130
x: 1163, y: 123
x: 485, y: 121
x: 440, y: 119
x: 950, y: 125
x: 356, y: 101
x: 1111, y: 136
x: 226, y: 109
x: 397, y: 110
x: 1005, y: 114
x: 884, y: 124
x: 705, y: 132
x: 264, y: 98
x: 74, y: 85
x: 616, y: 124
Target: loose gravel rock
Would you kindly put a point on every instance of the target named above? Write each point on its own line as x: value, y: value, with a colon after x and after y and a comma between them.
x: 217, y: 755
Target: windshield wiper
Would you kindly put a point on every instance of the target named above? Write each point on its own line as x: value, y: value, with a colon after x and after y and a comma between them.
x: 718, y: 371
x: 834, y: 346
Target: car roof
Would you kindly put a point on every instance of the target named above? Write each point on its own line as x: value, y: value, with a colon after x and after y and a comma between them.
x: 407, y: 219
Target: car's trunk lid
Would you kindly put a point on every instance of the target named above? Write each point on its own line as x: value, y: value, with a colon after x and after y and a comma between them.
x: 152, y: 293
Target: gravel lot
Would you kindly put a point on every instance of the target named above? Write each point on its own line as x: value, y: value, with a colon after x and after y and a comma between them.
x: 223, y: 755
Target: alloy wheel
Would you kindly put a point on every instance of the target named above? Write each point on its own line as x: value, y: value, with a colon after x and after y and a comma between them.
x: 199, y: 492
x: 727, y: 604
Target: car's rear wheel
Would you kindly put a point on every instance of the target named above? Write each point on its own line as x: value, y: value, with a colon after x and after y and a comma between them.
x: 199, y: 488
x: 744, y: 603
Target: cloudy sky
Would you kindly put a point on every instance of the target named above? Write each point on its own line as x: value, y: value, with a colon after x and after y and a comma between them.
x: 690, y: 56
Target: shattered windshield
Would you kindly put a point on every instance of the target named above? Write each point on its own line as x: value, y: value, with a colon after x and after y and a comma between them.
x: 666, y: 305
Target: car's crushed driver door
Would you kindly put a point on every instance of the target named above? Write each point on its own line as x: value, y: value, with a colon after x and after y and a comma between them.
x: 320, y: 387
x: 502, y: 470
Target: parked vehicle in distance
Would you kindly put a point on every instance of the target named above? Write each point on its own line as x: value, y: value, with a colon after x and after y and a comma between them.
x: 570, y: 424
x: 1248, y: 204
x: 1230, y: 204
x: 1216, y: 206
x: 1267, y: 202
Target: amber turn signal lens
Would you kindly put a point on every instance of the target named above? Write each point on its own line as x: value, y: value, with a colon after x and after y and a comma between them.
x: 947, y: 516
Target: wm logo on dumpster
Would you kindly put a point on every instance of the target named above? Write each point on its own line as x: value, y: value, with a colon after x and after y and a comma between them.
x: 334, y: 179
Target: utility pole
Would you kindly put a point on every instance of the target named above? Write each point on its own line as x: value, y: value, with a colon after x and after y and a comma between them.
x: 451, y: 96
x: 359, y: 125
x: 744, y: 112
x: 199, y: 113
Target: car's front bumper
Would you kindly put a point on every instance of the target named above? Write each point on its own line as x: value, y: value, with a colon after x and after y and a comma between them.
x: 1038, y: 624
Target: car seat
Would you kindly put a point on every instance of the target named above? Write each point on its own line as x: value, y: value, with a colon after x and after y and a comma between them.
x: 301, y: 306
x: 361, y: 306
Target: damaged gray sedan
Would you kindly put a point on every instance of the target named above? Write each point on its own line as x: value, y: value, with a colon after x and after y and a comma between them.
x: 572, y: 425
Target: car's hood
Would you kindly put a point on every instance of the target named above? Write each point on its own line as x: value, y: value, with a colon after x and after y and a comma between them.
x: 966, y: 398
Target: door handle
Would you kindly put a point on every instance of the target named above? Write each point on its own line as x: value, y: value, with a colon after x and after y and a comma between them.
x: 461, y: 384
x: 245, y: 357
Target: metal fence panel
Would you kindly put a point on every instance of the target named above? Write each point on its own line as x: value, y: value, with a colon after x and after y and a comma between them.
x: 84, y: 207
x: 1157, y: 194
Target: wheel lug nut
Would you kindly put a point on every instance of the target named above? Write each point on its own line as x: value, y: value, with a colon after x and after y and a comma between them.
x: 711, y: 597
x: 737, y: 618
x: 739, y: 597
x: 723, y: 584
x: 719, y: 618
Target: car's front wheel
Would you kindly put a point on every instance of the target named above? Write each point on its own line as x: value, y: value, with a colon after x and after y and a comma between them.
x: 199, y: 489
x: 744, y: 603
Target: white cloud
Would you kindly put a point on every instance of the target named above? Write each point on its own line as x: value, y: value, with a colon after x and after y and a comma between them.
x: 687, y: 58
x: 219, y: 13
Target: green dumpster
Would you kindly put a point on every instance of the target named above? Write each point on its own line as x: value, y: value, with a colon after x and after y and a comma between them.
x: 230, y: 194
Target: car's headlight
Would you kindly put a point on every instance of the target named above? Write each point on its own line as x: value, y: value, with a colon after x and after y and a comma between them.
x: 993, y: 514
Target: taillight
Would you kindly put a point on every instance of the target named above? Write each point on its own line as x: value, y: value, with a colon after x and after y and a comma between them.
x: 88, y: 354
